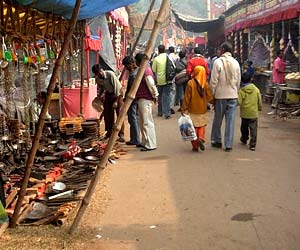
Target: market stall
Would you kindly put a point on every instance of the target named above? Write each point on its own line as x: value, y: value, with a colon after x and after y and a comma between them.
x: 41, y: 152
x: 258, y: 29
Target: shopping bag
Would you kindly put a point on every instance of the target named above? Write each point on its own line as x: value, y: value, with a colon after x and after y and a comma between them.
x: 186, y: 128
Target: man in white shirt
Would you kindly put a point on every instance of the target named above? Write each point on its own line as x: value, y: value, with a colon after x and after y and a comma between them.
x: 225, y: 81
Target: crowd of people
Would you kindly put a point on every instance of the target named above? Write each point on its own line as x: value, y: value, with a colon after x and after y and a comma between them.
x: 171, y: 80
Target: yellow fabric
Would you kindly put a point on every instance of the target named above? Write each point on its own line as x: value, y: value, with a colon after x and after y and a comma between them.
x: 193, y: 103
x: 199, y: 73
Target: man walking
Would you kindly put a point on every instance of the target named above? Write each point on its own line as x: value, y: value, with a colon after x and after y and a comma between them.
x: 174, y: 58
x: 225, y: 82
x: 108, y: 82
x: 164, y: 89
x: 197, y: 60
x: 132, y: 113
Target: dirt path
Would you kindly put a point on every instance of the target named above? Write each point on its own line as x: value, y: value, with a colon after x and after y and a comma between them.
x: 175, y: 199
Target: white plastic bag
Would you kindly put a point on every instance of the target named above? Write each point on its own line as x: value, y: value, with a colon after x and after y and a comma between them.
x: 186, y: 128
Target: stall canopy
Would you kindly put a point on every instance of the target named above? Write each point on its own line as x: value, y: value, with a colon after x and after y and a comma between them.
x: 89, y: 8
x: 197, y: 25
x: 247, y: 14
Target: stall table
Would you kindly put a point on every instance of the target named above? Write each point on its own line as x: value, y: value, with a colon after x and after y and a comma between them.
x: 71, y: 102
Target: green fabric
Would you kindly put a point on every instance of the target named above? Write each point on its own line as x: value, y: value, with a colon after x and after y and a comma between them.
x: 159, y: 68
x: 250, y: 101
x: 3, y: 215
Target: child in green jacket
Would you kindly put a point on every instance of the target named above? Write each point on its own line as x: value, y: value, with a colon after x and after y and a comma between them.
x: 250, y: 103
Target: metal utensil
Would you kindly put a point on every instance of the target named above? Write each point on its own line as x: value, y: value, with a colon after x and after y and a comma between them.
x: 92, y: 158
x: 59, y: 186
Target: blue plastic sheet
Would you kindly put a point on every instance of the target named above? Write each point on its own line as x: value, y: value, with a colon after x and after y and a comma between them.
x: 89, y: 8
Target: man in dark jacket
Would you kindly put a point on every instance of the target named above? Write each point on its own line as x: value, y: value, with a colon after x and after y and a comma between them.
x: 133, y: 118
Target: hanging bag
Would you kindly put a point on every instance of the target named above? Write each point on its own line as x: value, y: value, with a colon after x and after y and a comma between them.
x: 186, y: 128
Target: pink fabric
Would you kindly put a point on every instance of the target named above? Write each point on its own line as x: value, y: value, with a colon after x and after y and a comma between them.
x: 120, y: 15
x: 278, y: 70
x: 200, y: 40
x: 71, y: 102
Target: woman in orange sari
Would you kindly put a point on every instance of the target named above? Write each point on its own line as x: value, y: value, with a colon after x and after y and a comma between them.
x: 197, y: 95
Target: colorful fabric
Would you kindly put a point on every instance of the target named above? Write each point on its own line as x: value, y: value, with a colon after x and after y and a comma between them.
x: 193, y: 102
x: 200, y: 132
x: 197, y: 61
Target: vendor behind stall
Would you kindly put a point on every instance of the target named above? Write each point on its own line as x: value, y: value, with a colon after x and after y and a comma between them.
x: 277, y: 79
x: 108, y: 82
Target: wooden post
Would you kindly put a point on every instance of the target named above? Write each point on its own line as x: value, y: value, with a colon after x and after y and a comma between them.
x: 41, y: 121
x: 131, y: 95
x: 139, y: 35
x: 299, y: 42
x: 82, y: 63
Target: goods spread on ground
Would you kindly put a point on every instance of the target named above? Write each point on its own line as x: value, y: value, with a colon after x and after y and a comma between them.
x: 64, y: 164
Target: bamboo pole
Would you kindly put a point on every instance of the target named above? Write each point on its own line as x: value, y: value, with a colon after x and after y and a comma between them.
x: 139, y: 35
x: 82, y: 68
x: 299, y: 42
x: 131, y: 95
x: 41, y: 121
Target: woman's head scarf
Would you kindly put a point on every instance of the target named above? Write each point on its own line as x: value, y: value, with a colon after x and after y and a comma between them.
x: 199, y: 75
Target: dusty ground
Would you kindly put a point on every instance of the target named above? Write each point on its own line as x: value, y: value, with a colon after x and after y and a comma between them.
x: 174, y: 199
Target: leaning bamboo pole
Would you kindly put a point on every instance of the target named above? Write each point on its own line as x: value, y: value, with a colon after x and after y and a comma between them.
x: 129, y: 98
x: 82, y: 65
x: 41, y: 121
x: 139, y: 35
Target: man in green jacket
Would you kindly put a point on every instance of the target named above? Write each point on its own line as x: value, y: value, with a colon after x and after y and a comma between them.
x: 249, y: 100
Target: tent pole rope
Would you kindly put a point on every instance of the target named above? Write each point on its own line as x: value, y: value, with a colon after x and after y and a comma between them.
x: 103, y: 162
x: 139, y: 35
x: 41, y: 121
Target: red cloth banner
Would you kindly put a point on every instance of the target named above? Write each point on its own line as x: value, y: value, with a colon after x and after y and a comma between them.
x: 71, y: 102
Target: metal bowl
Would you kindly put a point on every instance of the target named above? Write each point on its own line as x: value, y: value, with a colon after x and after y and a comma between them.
x: 54, y: 142
x: 59, y: 186
x: 39, y: 210
x: 91, y: 158
x: 86, y: 150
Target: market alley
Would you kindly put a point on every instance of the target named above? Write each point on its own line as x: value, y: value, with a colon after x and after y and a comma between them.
x: 176, y: 199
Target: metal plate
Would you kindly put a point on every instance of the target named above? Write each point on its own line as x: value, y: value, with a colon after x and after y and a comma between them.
x: 78, y: 159
x: 63, y: 147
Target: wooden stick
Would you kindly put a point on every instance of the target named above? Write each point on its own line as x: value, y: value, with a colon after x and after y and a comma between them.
x: 1, y: 13
x: 139, y: 35
x: 82, y: 69
x: 42, y: 116
x: 85, y: 202
x: 3, y: 227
